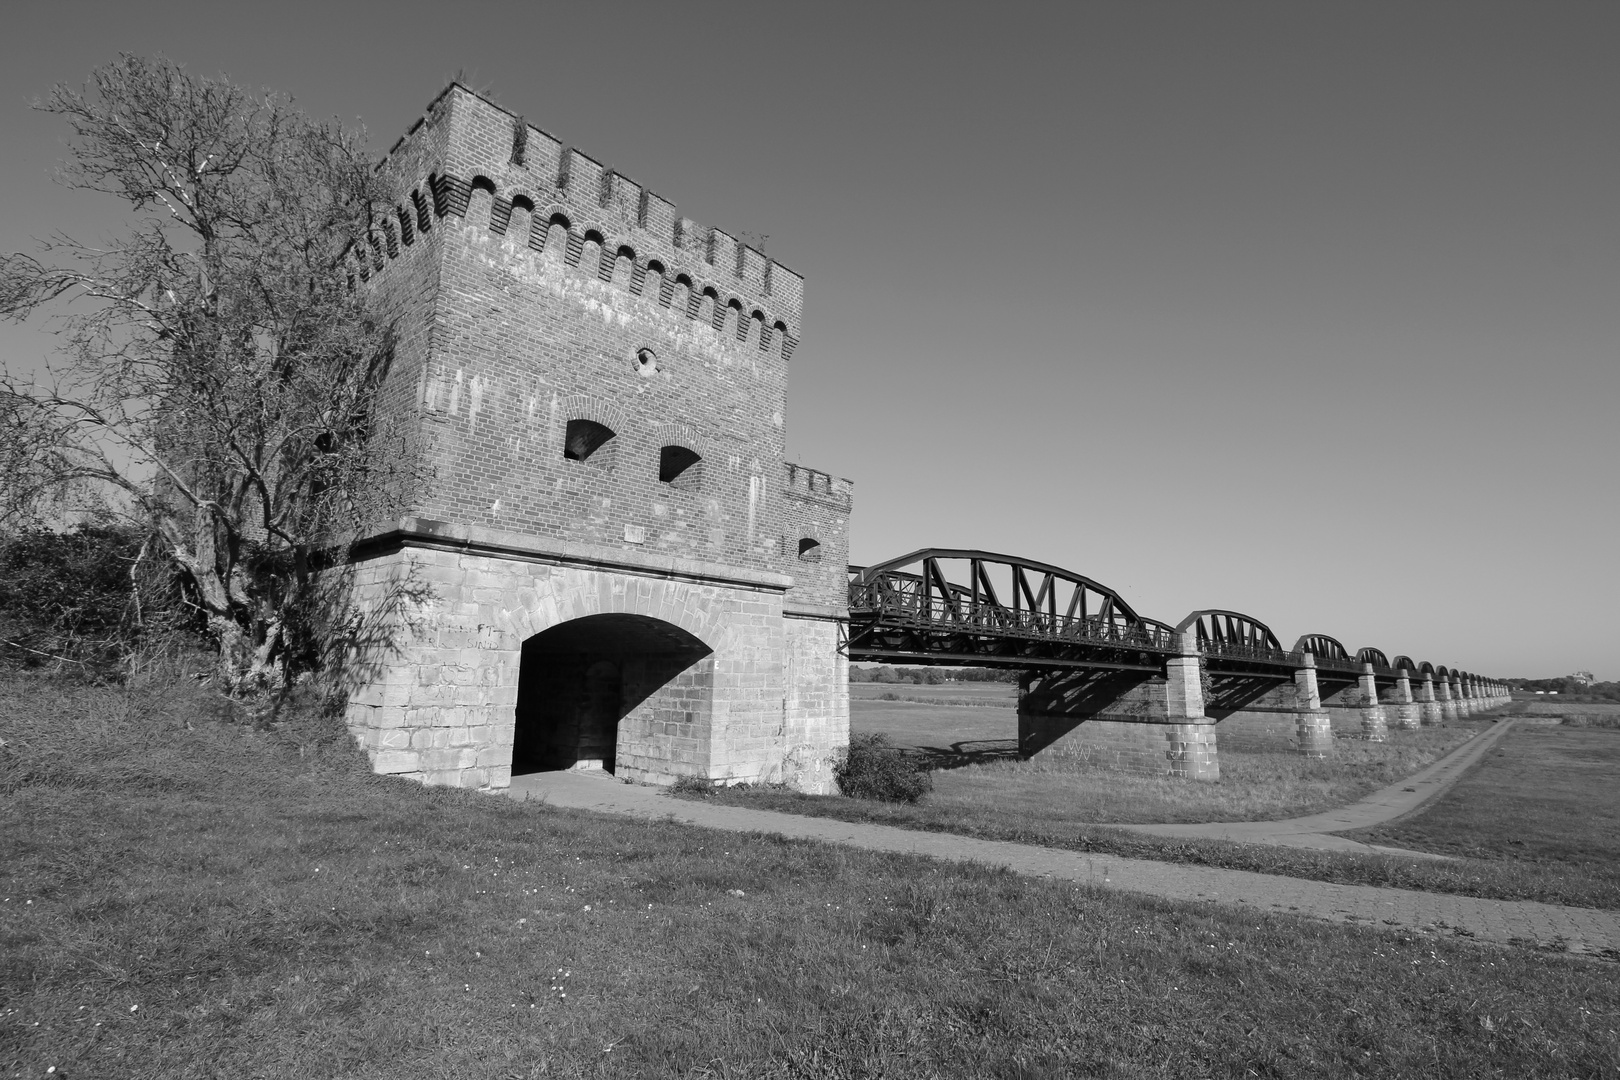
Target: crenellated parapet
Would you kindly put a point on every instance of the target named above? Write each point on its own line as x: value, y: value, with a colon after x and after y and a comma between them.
x: 470, y: 160
x: 817, y: 485
x: 815, y: 538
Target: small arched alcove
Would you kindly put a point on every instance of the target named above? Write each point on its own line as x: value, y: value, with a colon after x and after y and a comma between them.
x: 481, y: 207
x: 584, y: 440
x: 604, y: 690
x: 680, y: 467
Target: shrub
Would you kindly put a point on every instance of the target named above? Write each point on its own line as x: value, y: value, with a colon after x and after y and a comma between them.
x: 873, y: 769
x: 692, y: 785
x: 87, y: 601
x: 1597, y: 720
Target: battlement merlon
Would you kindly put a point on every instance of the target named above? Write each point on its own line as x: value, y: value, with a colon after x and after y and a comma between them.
x: 465, y: 136
x: 815, y: 484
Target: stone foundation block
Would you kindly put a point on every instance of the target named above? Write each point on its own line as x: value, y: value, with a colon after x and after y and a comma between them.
x: 1315, y: 733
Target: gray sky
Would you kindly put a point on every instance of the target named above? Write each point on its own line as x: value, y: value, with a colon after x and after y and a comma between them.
x: 1307, y: 310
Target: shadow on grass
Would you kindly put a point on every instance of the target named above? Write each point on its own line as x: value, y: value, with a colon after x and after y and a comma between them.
x: 966, y: 752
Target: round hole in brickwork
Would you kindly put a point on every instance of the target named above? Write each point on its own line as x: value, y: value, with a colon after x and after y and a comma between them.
x: 646, y: 363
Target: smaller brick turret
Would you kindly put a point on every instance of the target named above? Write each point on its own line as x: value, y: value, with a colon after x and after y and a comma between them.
x: 815, y: 541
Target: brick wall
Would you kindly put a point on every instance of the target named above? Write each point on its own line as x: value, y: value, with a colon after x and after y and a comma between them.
x: 815, y: 539
x: 663, y: 331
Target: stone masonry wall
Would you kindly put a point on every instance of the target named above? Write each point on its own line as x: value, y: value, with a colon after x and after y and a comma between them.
x: 816, y: 707
x: 436, y: 699
x: 1259, y: 732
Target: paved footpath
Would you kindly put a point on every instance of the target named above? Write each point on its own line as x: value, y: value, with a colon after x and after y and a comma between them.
x: 1578, y: 930
x: 1316, y: 830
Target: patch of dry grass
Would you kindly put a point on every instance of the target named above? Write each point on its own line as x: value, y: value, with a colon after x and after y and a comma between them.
x: 1252, y: 787
x: 1546, y: 799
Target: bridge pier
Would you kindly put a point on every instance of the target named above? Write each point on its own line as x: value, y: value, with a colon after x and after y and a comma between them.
x: 1399, y: 704
x: 1464, y: 706
x: 1448, y: 707
x: 1132, y: 721
x: 1428, y: 708
x: 1358, y: 695
x: 1191, y: 735
x: 1374, y: 724
x: 1312, y: 722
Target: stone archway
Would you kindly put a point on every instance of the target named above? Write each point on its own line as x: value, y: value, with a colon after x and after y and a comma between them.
x: 615, y: 692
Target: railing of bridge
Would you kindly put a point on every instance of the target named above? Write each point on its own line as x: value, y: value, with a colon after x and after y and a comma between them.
x: 1242, y: 650
x: 899, y: 600
x: 1347, y: 664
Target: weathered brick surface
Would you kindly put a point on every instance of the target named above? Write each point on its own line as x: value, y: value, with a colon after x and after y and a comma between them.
x: 531, y: 288
x: 816, y: 536
x: 512, y: 330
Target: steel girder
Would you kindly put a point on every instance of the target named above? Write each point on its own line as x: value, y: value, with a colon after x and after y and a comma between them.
x: 1381, y: 666
x: 943, y: 606
x: 1330, y: 655
x: 1232, y: 643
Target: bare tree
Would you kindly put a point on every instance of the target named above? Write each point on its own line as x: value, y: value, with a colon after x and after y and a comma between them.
x: 217, y: 366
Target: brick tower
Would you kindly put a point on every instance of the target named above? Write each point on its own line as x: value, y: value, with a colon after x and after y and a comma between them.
x: 610, y: 564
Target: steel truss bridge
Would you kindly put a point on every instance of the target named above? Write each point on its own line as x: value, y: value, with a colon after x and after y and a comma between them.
x: 963, y: 608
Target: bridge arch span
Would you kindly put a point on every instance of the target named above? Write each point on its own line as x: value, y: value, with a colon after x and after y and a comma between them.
x: 980, y: 608
x: 1225, y: 632
x: 1375, y: 657
x: 927, y: 560
x: 1328, y: 651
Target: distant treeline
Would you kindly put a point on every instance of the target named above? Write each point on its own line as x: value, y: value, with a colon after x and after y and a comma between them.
x: 1572, y: 688
x: 930, y: 676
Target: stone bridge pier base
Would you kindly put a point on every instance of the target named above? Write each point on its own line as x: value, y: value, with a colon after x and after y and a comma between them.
x: 1133, y: 721
x: 1374, y: 723
x: 1312, y: 722
x: 480, y: 663
x: 1399, y: 705
x: 1459, y: 695
x: 1428, y: 707
x: 1448, y: 707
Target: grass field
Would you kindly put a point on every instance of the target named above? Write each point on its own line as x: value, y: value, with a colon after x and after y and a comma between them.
x: 1546, y: 799
x: 1060, y: 804
x: 1063, y: 793
x: 1574, y: 713
x: 184, y: 898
